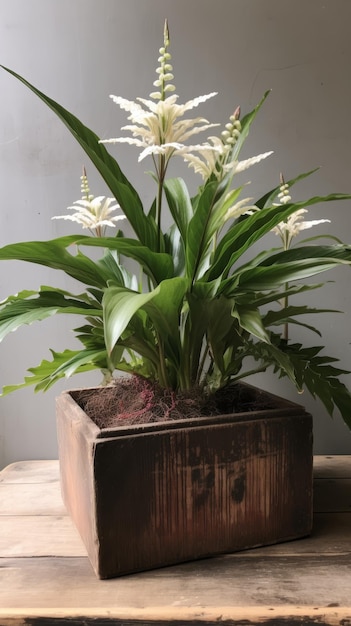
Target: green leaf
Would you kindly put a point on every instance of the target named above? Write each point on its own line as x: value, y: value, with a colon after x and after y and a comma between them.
x: 30, y: 306
x: 175, y: 248
x: 321, y: 378
x: 48, y: 373
x: 286, y: 313
x: 179, y: 203
x: 157, y: 265
x: 335, y: 253
x: 244, y: 234
x: 119, y: 306
x: 165, y: 306
x: 273, y: 276
x: 53, y: 254
x: 198, y: 236
x: 260, y: 299
x: 246, y: 125
x: 144, y: 226
x: 269, y: 197
x: 251, y: 321
x: 221, y: 330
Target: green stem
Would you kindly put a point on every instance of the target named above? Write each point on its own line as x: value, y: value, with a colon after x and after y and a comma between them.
x: 162, y: 368
x: 287, y: 243
x: 202, y: 364
x: 286, y: 325
x: 250, y: 373
x: 161, y: 172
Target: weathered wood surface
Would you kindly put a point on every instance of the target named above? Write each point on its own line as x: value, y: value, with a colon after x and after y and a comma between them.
x: 46, y: 579
x: 212, y: 486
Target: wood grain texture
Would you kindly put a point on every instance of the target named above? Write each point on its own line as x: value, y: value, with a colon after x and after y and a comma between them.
x: 211, y: 486
x: 251, y: 616
x: 46, y: 579
x: 232, y: 581
x: 30, y: 472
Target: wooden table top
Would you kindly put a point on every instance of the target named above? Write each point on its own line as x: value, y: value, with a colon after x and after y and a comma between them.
x: 46, y: 579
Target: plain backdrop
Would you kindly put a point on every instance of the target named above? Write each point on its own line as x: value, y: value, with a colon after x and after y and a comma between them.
x: 80, y: 51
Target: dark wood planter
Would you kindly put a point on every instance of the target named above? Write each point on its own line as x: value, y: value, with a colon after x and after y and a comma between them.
x: 158, y: 494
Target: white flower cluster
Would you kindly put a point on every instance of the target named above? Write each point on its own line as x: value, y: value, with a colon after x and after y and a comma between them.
x: 92, y: 213
x: 295, y: 223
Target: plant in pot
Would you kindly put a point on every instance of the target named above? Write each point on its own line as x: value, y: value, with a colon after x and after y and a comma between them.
x: 178, y: 458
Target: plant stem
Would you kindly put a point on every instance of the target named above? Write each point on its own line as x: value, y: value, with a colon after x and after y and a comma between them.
x: 164, y: 381
x: 250, y: 373
x: 286, y: 325
x: 161, y: 173
x: 202, y: 363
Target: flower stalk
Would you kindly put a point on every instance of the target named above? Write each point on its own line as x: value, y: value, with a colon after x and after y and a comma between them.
x: 287, y: 230
x: 195, y: 307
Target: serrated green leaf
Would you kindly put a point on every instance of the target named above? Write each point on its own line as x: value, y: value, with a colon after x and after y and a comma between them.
x: 46, y: 374
x: 28, y: 307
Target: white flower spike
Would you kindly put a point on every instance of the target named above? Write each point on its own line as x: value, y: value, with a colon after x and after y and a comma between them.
x: 295, y: 223
x: 158, y: 125
x: 92, y: 212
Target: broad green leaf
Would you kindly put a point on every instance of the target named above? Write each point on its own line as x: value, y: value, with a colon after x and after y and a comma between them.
x: 274, y: 276
x: 119, y: 306
x: 337, y: 253
x: 165, y: 306
x: 28, y: 307
x: 157, y: 265
x: 220, y: 329
x: 251, y: 321
x: 175, y: 248
x: 260, y: 299
x: 198, y: 236
x: 144, y: 226
x: 53, y: 254
x: 244, y: 234
x: 179, y: 203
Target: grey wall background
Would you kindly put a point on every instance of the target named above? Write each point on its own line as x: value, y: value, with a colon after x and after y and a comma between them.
x: 80, y: 51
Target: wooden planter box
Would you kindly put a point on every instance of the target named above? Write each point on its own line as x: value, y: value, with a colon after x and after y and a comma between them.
x: 152, y: 495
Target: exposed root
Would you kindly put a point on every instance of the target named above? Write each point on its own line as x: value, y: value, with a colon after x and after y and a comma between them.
x: 136, y: 400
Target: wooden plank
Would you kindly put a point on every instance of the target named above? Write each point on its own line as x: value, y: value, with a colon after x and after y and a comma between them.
x: 63, y: 585
x: 31, y: 472
x: 306, y: 581
x: 56, y: 536
x: 31, y: 499
x: 332, y: 494
x: 46, y: 535
x: 337, y: 466
x: 234, y: 616
x: 331, y: 535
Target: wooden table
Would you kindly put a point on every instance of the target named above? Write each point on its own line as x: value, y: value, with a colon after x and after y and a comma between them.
x: 46, y: 579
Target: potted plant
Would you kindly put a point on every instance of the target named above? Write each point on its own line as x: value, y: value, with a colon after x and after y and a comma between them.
x: 196, y: 462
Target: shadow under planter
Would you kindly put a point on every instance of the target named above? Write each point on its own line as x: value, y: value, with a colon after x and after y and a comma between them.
x: 158, y: 494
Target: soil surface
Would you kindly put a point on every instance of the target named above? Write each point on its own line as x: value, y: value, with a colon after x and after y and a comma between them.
x: 138, y: 401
